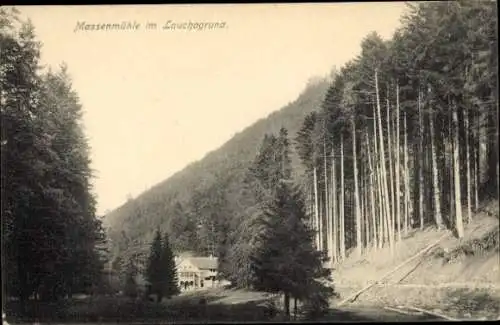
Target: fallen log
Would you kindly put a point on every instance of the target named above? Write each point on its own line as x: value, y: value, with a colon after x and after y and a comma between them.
x: 412, y: 270
x: 432, y: 313
x: 466, y: 285
x: 403, y: 311
x: 355, y: 295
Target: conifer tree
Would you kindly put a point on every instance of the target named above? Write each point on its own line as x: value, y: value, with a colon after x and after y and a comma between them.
x: 50, y: 233
x: 287, y: 261
x: 168, y: 282
x: 154, y: 271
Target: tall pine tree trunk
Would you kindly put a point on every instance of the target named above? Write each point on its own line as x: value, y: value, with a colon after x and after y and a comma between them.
x: 316, y: 210
x: 476, y: 177
x: 391, y: 172
x: 356, y: 190
x: 362, y: 189
x: 477, y: 146
x: 451, y: 173
x: 327, y: 205
x: 382, y: 238
x: 435, y: 177
x: 456, y: 170
x: 372, y: 192
x: 398, y: 167
x: 334, y: 209
x: 311, y: 209
x: 467, y: 162
x: 369, y: 227
x: 341, y: 206
x: 407, y: 177
x: 385, y: 198
x: 420, y: 162
x: 321, y: 219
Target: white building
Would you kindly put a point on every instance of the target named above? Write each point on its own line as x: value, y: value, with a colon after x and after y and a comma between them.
x: 196, y: 272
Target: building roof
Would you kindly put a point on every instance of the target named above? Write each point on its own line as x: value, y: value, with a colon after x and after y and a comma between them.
x: 204, y: 263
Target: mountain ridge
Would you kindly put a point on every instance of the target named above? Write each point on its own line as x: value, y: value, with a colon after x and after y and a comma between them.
x: 225, y: 164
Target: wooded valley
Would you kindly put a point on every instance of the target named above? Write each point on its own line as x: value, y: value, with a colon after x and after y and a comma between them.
x: 402, y: 137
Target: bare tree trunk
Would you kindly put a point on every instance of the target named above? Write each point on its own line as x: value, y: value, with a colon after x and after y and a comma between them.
x: 476, y: 177
x: 311, y: 209
x: 391, y: 172
x: 467, y: 162
x: 382, y: 159
x: 364, y: 215
x: 383, y: 236
x: 420, y: 162
x: 316, y: 211
x: 327, y: 206
x: 477, y: 160
x: 383, y: 214
x: 406, y: 177
x: 456, y: 169
x: 435, y: 177
x: 450, y: 175
x: 321, y: 219
x: 398, y: 167
x: 372, y: 194
x: 428, y: 194
x: 362, y: 200
x: 342, y: 215
x: 334, y: 208
x: 356, y: 191
x: 369, y: 226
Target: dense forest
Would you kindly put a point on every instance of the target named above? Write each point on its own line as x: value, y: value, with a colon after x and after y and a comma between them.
x: 53, y: 244
x: 407, y: 134
x: 403, y: 136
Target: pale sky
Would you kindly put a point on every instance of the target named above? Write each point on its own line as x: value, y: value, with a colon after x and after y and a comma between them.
x: 156, y: 100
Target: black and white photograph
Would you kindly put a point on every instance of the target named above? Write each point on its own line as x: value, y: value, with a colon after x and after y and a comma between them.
x: 249, y: 163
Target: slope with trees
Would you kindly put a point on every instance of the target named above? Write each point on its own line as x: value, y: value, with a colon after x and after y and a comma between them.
x: 208, y: 194
x: 428, y: 95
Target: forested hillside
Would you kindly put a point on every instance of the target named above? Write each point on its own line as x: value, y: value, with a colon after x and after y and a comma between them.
x: 408, y: 133
x: 210, y: 188
x: 403, y: 137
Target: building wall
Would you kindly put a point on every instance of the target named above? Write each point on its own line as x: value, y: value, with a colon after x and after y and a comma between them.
x: 188, y: 275
x: 191, y: 277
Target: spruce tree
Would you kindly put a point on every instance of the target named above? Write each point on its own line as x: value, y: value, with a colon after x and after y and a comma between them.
x: 154, y: 271
x: 169, y: 271
x: 286, y: 260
